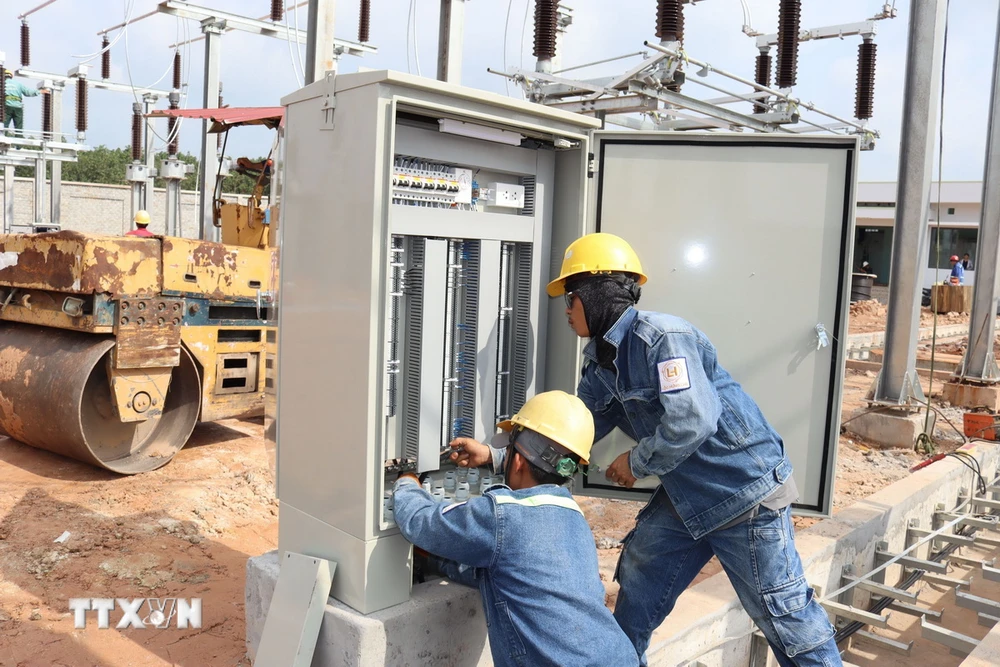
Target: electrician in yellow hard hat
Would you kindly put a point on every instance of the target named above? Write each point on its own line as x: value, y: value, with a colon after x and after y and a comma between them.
x: 525, y: 545
x: 141, y: 221
x: 725, y: 482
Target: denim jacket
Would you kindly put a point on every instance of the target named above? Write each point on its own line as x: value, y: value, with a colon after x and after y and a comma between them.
x: 695, y: 428
x: 532, y: 556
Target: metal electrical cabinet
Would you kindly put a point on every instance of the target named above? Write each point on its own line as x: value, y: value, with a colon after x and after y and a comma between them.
x: 421, y: 222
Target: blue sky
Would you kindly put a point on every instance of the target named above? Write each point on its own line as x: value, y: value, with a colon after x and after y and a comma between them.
x: 258, y: 71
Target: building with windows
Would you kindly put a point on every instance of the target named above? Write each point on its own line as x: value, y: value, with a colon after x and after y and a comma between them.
x: 953, y: 221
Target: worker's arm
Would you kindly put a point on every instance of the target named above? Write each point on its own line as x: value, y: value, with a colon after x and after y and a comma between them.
x: 457, y: 572
x: 691, y: 406
x: 462, y: 532
x: 586, y: 392
x: 28, y: 92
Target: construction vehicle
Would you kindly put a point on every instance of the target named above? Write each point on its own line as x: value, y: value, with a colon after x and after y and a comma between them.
x: 112, y: 349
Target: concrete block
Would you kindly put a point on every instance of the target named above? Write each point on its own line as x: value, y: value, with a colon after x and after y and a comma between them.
x: 441, y: 624
x: 896, y: 428
x: 987, y: 654
x: 966, y: 395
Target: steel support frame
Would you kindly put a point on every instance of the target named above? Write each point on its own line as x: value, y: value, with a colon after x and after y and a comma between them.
x: 698, y: 106
x: 451, y: 38
x: 55, y: 184
x: 979, y: 363
x: 898, y: 383
x: 212, y: 30
x: 8, y: 198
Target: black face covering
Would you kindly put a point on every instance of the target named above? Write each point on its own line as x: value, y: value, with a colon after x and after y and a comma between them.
x: 605, y: 298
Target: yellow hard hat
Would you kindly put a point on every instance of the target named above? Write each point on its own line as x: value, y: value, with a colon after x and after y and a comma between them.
x: 560, y: 417
x: 596, y: 253
x: 141, y: 218
x: 8, y: 73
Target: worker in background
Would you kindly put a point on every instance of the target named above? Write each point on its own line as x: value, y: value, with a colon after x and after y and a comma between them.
x: 14, y: 101
x: 725, y: 482
x: 526, y: 545
x: 966, y: 262
x: 957, y: 272
x: 866, y: 267
x: 141, y: 221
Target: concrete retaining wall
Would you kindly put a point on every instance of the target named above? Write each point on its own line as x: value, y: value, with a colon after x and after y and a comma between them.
x: 860, y: 345
x: 96, y: 208
x: 708, y: 624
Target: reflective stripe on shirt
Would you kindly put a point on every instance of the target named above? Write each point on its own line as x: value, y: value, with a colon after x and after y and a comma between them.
x: 539, y: 501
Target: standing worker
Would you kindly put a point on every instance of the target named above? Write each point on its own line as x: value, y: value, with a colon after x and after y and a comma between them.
x: 14, y: 101
x: 141, y: 221
x: 957, y: 276
x: 526, y: 546
x: 725, y: 482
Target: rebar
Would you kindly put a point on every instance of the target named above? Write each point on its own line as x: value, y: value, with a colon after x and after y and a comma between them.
x: 81, y: 104
x: 177, y: 70
x: 546, y: 19
x: 277, y: 10
x: 365, y: 21
x: 25, y: 44
x: 789, y: 18
x: 105, y: 58
x: 137, y: 132
x: 864, y: 99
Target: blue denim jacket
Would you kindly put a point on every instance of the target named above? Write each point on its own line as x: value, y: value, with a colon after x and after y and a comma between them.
x: 532, y: 556
x: 695, y: 428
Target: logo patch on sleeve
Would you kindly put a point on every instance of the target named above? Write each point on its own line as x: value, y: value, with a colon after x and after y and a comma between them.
x: 673, y: 375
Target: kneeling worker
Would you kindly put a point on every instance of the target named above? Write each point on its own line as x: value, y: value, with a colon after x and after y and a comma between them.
x: 526, y: 546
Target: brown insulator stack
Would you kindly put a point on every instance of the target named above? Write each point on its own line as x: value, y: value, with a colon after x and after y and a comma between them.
x: 864, y: 100
x: 172, y: 129
x: 277, y: 10
x: 670, y: 20
x: 81, y: 104
x: 177, y: 70
x: 47, y: 115
x: 546, y: 18
x: 789, y: 18
x: 25, y: 44
x: 365, y: 21
x: 762, y: 76
x: 136, y: 132
x: 105, y: 59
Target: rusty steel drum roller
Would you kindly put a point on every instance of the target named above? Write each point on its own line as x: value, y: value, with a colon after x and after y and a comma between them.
x: 55, y: 395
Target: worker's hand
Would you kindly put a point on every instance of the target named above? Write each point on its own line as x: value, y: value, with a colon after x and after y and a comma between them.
x: 620, y: 472
x: 45, y: 91
x: 408, y: 474
x: 470, y: 453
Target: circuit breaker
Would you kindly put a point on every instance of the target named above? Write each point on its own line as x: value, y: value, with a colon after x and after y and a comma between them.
x: 420, y: 224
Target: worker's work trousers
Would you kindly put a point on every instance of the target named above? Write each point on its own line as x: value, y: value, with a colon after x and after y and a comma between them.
x: 660, y: 559
x: 15, y: 116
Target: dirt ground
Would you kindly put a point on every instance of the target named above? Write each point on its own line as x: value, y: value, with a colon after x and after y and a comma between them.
x: 869, y: 317
x: 187, y: 529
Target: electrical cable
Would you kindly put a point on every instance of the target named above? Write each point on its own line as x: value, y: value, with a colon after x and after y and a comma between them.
x: 409, y: 17
x: 416, y: 41
x: 299, y: 55
x: 524, y: 30
x: 300, y: 77
x: 121, y: 33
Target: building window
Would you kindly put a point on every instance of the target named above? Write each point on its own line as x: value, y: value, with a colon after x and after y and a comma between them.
x: 953, y: 242
x: 876, y: 204
x: 951, y: 211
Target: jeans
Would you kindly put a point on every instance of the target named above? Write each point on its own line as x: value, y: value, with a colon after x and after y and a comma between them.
x: 14, y: 116
x: 660, y: 558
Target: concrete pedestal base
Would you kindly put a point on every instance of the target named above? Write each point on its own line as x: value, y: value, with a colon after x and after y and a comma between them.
x: 965, y: 395
x: 889, y: 428
x: 441, y: 624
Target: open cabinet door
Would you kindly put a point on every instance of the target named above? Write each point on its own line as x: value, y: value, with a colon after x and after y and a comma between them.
x: 748, y: 239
